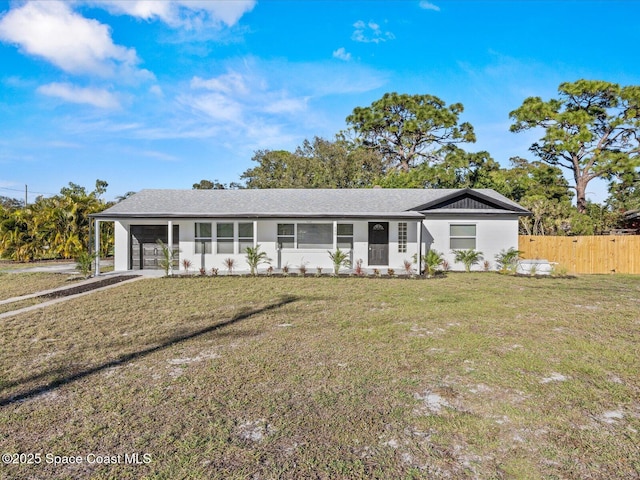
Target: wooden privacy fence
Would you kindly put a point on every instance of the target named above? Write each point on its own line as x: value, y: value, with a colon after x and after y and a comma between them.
x: 588, y: 254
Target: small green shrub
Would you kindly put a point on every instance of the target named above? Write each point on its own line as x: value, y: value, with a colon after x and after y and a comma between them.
x: 340, y: 259
x: 507, y: 261
x: 255, y: 258
x: 168, y: 257
x: 432, y: 261
x: 468, y: 258
x: 84, y: 263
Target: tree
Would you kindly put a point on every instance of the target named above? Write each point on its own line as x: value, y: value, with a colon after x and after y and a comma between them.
x: 255, y: 257
x: 591, y: 130
x: 10, y: 203
x: 527, y: 179
x: 209, y: 185
x: 317, y: 164
x: 124, y: 196
x: 55, y: 227
x: 409, y: 129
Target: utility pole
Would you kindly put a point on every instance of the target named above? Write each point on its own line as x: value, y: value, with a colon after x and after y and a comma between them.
x: 26, y: 196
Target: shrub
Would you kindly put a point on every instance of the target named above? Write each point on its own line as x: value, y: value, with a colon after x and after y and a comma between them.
x: 84, y: 262
x: 168, y: 257
x: 229, y: 263
x: 303, y: 269
x: 432, y: 260
x: 507, y: 261
x: 558, y: 270
x: 358, y: 270
x: 255, y: 257
x: 214, y: 272
x: 340, y: 259
x: 186, y: 264
x: 468, y: 258
x: 408, y: 267
x: 391, y: 272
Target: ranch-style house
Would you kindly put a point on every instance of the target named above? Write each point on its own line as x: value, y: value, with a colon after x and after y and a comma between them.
x: 381, y: 227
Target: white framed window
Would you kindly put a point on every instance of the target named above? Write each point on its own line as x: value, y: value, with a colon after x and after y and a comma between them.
x: 224, y: 237
x: 286, y: 235
x: 462, y: 236
x: 312, y: 236
x: 203, y: 238
x: 315, y: 235
x: 345, y: 236
x: 402, y: 237
x: 245, y: 236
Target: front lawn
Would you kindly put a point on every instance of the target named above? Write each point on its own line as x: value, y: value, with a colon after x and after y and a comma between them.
x: 469, y: 376
x: 17, y: 284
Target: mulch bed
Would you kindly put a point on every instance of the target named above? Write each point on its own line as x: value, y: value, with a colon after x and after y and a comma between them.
x: 88, y: 286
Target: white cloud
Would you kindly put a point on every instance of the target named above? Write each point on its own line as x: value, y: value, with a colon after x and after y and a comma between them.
x: 342, y: 54
x: 92, y: 96
x: 51, y: 30
x: 370, y: 33
x: 228, y: 83
x: 156, y: 90
x: 235, y: 97
x: 429, y: 6
x: 189, y: 14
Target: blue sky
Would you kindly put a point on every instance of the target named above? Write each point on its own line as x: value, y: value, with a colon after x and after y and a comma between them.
x: 162, y: 94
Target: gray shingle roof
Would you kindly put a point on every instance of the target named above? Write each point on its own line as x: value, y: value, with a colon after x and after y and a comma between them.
x: 282, y: 203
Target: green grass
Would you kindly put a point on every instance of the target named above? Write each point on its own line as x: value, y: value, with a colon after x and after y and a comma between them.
x: 470, y: 376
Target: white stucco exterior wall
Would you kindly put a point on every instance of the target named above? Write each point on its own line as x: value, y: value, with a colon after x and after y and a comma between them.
x: 493, y: 234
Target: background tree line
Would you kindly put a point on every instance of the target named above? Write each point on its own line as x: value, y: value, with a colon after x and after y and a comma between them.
x: 591, y: 131
x: 53, y: 227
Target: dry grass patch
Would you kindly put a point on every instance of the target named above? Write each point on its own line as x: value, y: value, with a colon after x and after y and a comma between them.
x: 471, y: 376
x: 18, y: 284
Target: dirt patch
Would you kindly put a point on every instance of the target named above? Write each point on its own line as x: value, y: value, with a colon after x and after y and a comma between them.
x: 87, y: 287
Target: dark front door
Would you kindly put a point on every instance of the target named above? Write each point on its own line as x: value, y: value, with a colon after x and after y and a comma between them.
x: 146, y: 254
x: 378, y: 243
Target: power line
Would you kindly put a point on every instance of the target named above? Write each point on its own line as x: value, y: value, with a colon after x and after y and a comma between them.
x: 22, y: 191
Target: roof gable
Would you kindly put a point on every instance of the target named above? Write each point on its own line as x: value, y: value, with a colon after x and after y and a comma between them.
x: 468, y: 199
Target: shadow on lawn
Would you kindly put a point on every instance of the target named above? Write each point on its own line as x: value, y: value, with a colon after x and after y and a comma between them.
x: 130, y: 356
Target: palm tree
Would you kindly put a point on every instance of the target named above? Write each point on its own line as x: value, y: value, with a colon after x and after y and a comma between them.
x: 255, y: 257
x: 468, y: 257
x: 339, y: 259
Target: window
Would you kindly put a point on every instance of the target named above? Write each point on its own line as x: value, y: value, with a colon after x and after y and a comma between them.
x: 402, y: 237
x: 203, y: 238
x: 245, y: 236
x: 286, y: 235
x: 224, y: 234
x: 315, y: 235
x: 345, y: 236
x: 462, y: 237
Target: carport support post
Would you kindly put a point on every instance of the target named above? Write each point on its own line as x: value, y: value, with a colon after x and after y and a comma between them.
x: 170, y: 246
x: 419, y: 232
x: 96, y: 240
